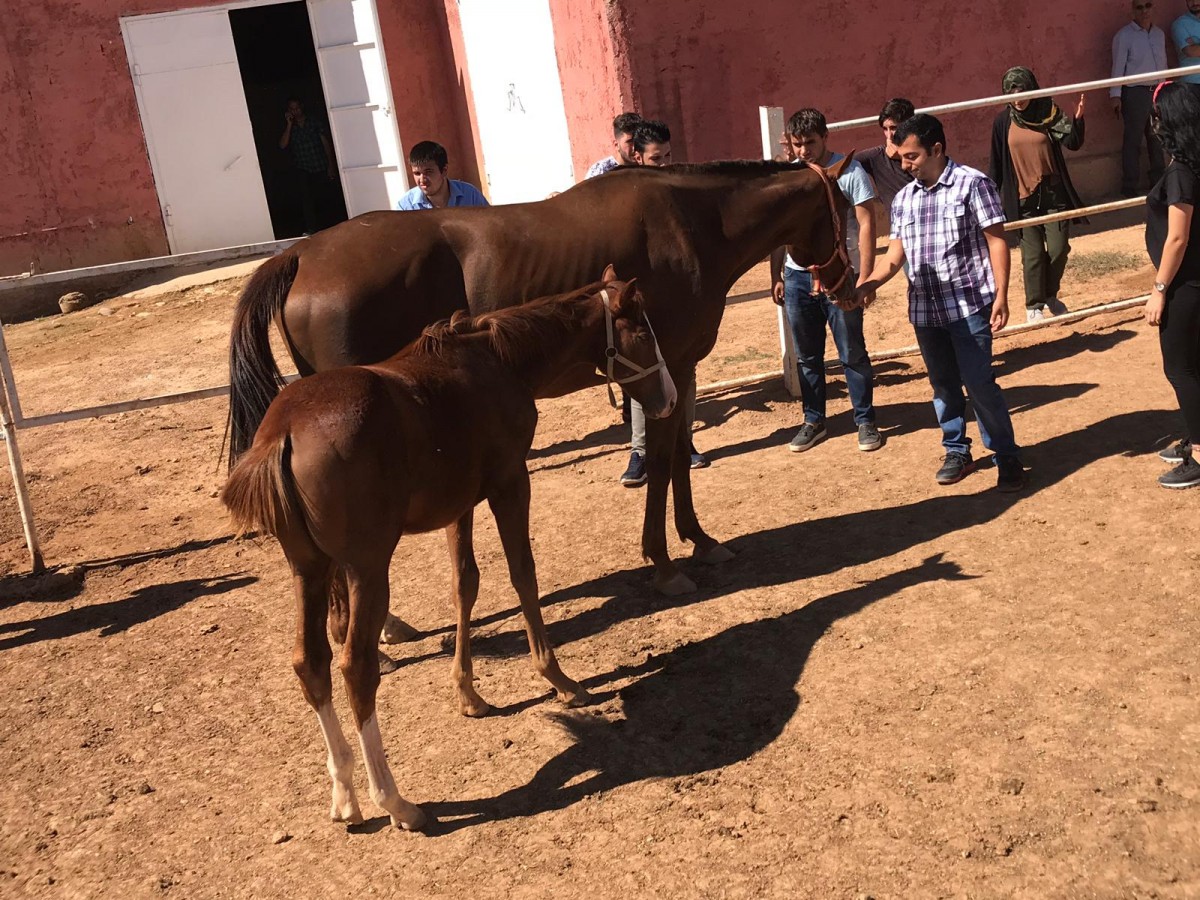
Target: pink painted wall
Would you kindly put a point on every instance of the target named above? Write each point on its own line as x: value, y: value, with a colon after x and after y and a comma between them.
x: 74, y: 170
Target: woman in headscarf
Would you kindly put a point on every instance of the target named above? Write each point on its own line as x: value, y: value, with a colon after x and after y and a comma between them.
x: 1173, y: 241
x: 1029, y: 168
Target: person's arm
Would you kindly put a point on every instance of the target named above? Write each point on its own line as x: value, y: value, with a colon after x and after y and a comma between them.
x: 287, y: 135
x: 1185, y: 44
x: 1120, y: 56
x: 882, y: 272
x: 1074, y: 140
x: 777, y: 275
x: 997, y: 246
x: 330, y: 169
x: 1179, y: 226
x: 865, y: 215
x: 996, y: 162
x: 1158, y: 40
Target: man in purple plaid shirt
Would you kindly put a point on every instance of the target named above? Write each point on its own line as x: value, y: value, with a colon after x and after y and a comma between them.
x: 949, y: 224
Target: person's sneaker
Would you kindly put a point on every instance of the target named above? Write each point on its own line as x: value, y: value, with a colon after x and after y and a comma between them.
x: 1056, y: 307
x: 955, y: 467
x: 807, y: 437
x: 1012, y: 475
x: 635, y: 475
x: 699, y: 460
x: 1176, y: 452
x: 1184, y: 475
x: 869, y: 437
x: 1034, y: 315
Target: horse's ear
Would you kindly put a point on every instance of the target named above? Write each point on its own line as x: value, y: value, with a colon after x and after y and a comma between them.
x: 627, y: 298
x: 610, y: 273
x: 838, y: 168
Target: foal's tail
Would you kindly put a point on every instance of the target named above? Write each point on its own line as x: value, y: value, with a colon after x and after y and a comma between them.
x: 254, y: 379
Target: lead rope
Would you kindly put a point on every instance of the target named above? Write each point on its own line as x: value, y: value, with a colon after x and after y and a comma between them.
x: 839, y: 251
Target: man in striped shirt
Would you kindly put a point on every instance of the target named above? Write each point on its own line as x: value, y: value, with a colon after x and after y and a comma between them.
x: 949, y: 224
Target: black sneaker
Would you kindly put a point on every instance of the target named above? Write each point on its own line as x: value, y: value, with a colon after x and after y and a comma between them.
x: 699, y: 460
x: 869, y: 437
x: 1176, y: 452
x: 1012, y: 475
x: 807, y: 437
x: 955, y: 467
x: 635, y: 475
x: 1184, y: 475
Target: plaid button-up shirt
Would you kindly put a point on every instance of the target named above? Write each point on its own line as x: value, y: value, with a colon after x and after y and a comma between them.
x: 941, y: 230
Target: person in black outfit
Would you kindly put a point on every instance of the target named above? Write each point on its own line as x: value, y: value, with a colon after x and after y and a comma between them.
x: 1173, y: 241
x: 1028, y: 166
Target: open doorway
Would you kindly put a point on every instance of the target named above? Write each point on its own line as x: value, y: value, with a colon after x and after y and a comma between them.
x: 278, y: 64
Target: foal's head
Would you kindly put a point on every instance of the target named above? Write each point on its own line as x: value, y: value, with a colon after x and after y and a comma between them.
x: 821, y: 245
x: 632, y: 358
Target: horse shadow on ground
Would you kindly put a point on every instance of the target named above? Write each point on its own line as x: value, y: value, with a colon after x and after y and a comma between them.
x: 700, y: 707
x: 117, y: 616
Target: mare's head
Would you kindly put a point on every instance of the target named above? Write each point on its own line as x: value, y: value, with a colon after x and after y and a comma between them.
x: 632, y: 358
x: 820, y: 245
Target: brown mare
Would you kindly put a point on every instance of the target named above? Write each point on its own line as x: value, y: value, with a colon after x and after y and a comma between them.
x: 347, y: 461
x: 359, y: 291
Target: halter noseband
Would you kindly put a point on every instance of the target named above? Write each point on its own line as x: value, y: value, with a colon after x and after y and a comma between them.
x: 612, y: 356
x: 839, y: 245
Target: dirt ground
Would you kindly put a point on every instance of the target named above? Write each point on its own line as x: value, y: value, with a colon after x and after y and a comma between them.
x: 894, y: 690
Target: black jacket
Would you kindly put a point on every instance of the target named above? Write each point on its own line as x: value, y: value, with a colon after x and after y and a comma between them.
x: 1002, y: 172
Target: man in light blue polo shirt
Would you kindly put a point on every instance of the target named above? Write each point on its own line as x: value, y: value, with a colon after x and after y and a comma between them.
x: 1185, y: 34
x: 427, y: 161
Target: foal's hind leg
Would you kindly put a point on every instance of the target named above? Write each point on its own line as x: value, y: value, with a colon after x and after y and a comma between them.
x: 311, y: 659
x: 368, y: 609
x: 510, y: 506
x: 465, y: 588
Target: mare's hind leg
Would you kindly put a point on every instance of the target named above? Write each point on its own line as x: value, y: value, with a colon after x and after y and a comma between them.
x: 465, y: 588
x: 311, y: 659
x: 510, y: 506
x: 368, y: 609
x: 705, y: 548
x: 661, y: 436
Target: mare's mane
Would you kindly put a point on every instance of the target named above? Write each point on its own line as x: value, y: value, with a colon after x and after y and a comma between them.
x: 720, y: 167
x: 511, y: 329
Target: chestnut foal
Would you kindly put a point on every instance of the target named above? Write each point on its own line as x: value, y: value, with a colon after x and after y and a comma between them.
x: 348, y: 460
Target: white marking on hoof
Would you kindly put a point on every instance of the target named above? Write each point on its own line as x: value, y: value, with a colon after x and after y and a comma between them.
x: 675, y: 585
x: 397, y: 631
x: 576, y: 697
x: 717, y: 553
x: 387, y: 665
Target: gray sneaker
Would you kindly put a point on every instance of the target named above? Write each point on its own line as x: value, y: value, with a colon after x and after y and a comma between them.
x: 1184, y: 475
x: 869, y: 437
x: 1176, y: 452
x: 807, y: 437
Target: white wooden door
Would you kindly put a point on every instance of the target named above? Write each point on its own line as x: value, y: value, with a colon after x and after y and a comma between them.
x: 359, y: 100
x: 518, y: 98
x: 197, y: 127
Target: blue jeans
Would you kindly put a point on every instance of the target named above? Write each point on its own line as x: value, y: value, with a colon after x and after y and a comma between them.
x: 960, y: 355
x: 807, y: 315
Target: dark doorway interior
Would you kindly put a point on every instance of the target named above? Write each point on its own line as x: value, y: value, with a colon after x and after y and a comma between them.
x: 277, y: 61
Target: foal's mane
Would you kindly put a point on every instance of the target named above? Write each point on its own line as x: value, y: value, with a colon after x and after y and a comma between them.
x: 512, y: 329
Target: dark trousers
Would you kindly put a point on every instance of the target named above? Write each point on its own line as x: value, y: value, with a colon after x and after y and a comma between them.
x: 1135, y: 113
x: 1044, y: 248
x: 314, y: 199
x: 1179, y: 338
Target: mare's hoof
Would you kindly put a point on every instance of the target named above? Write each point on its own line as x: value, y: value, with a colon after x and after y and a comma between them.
x: 413, y: 820
x: 397, y: 631
x: 474, y: 707
x: 577, y: 697
x: 351, y: 815
x: 387, y: 665
x: 711, y: 556
x: 675, y: 585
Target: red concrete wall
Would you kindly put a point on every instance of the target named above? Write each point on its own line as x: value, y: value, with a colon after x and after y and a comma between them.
x: 74, y: 170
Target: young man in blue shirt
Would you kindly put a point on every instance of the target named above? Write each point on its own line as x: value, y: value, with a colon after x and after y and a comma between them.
x: 427, y: 161
x: 1185, y: 34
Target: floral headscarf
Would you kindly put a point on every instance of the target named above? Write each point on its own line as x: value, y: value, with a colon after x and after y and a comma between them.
x: 1042, y: 114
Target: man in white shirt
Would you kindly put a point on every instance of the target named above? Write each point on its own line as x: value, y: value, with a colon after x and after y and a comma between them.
x: 1141, y: 46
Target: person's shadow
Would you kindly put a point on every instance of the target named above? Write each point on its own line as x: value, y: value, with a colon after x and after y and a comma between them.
x: 700, y: 707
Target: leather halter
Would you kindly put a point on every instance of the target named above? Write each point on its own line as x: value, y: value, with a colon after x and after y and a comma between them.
x: 612, y: 356
x: 839, y: 244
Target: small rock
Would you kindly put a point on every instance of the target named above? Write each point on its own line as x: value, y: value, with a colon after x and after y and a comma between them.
x: 1147, y: 805
x: 506, y: 743
x: 1004, y: 849
x: 966, y: 854
x: 142, y: 470
x: 157, y: 708
x: 145, y: 788
x: 209, y: 629
x: 106, y: 311
x: 72, y: 301
x: 1012, y: 786
x: 280, y: 837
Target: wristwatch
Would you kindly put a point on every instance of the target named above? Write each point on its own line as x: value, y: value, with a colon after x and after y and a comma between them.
x: 1160, y: 287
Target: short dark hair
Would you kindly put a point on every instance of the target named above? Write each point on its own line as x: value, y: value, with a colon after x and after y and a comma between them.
x: 625, y: 123
x: 428, y: 152
x: 898, y: 110
x: 650, y: 131
x: 1177, y: 122
x: 807, y: 121
x: 927, y: 129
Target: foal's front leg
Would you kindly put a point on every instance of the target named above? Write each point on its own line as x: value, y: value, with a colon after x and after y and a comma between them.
x: 510, y: 506
x: 705, y: 548
x: 465, y: 590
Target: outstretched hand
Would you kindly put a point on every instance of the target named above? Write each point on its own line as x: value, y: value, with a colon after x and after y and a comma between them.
x: 1082, y: 103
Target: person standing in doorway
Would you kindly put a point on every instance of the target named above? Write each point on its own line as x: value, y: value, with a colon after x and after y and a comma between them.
x: 949, y: 225
x: 307, y: 140
x: 1028, y: 167
x: 1137, y: 48
x: 1173, y: 241
x: 1185, y: 35
x: 809, y: 314
x: 622, y: 155
x: 428, y: 162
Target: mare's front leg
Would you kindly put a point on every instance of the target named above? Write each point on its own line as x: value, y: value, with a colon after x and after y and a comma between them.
x: 510, y: 506
x: 368, y: 590
x: 705, y: 549
x: 465, y: 590
x: 661, y: 438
